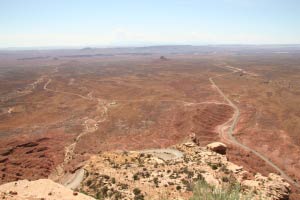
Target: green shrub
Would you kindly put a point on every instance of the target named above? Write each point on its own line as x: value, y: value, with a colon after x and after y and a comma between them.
x: 139, y: 197
x: 178, y: 187
x: 89, y: 182
x: 137, y: 194
x: 123, y: 186
x: 104, y: 191
x: 225, y: 179
x: 99, y: 195
x: 190, y: 174
x: 203, y: 191
x: 136, y: 176
x: 155, y: 180
x: 136, y: 191
x: 214, y: 166
x: 117, y: 195
x: 113, y: 180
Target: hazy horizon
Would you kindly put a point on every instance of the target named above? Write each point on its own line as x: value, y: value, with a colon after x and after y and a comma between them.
x: 142, y: 46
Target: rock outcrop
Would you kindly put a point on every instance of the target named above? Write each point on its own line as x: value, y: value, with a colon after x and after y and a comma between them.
x: 31, y: 158
x: 217, y: 147
x: 163, y: 58
x: 39, y: 189
x: 272, y: 186
x: 120, y: 174
x: 158, y: 173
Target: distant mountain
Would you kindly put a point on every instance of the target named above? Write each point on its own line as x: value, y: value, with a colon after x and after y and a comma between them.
x: 150, y: 50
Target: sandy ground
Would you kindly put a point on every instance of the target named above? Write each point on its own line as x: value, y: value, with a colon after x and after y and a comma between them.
x: 39, y: 189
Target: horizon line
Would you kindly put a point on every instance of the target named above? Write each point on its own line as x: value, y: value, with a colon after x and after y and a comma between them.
x: 78, y: 47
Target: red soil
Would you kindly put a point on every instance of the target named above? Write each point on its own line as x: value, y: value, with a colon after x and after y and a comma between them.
x: 31, y: 157
x: 171, y: 127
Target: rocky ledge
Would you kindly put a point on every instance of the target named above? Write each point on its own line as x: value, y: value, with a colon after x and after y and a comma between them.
x: 179, y: 172
x: 157, y: 174
x: 40, y: 189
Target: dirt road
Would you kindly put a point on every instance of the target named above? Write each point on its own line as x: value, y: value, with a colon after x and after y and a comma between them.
x: 225, y: 130
x: 228, y: 128
x: 75, y: 179
x: 69, y: 93
x: 164, y: 154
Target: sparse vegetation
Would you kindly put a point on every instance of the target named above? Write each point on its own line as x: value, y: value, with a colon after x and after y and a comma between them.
x: 139, y: 197
x: 89, y: 182
x: 136, y: 191
x: 155, y: 181
x: 159, y: 88
x: 225, y: 179
x: 214, y: 166
x: 137, y: 194
x: 113, y: 180
x: 99, y: 196
x: 136, y: 176
x: 203, y: 191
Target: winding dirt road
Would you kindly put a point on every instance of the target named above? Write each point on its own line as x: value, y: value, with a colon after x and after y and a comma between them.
x: 69, y: 93
x: 91, y: 125
x: 229, y: 127
x: 226, y: 130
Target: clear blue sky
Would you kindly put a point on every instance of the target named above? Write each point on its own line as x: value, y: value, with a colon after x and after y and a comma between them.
x: 31, y: 23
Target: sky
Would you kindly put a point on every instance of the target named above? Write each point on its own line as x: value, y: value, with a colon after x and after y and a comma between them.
x: 71, y: 23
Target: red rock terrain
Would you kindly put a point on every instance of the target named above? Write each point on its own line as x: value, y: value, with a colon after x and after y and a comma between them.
x: 150, y: 103
x: 30, y: 157
x: 153, y: 104
x: 170, y: 127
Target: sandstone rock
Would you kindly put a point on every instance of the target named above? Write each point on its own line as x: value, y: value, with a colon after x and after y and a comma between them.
x: 217, y: 147
x: 271, y: 187
x: 277, y: 187
x: 155, y: 160
x: 189, y: 144
x: 210, y: 179
x: 195, y: 163
x: 250, y: 184
x: 40, y: 189
x: 234, y: 168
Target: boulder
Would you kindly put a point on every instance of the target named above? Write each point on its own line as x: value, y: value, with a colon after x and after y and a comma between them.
x: 250, y: 185
x: 189, y: 144
x: 234, y: 168
x: 211, y: 179
x: 217, y: 147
